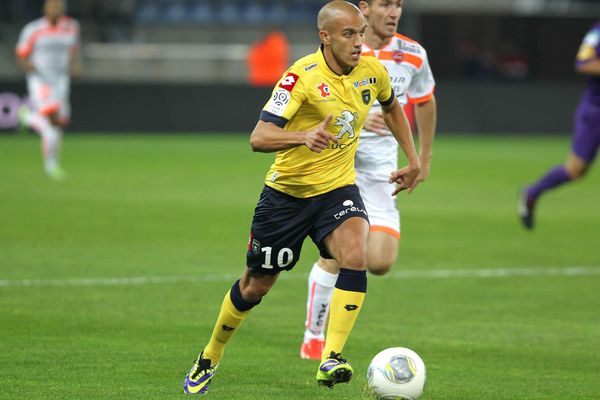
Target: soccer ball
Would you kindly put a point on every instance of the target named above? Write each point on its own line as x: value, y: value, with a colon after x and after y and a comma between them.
x: 396, y: 373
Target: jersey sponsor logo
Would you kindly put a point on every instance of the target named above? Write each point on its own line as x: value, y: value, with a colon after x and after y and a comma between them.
x: 398, y: 56
x: 365, y: 82
x: 347, y: 123
x: 289, y: 81
x: 366, y: 96
x: 309, y: 67
x: 411, y: 48
x: 343, y: 146
x: 281, y: 98
x: 324, y: 88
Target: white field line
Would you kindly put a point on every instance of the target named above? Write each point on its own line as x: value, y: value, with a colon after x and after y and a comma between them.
x: 412, y: 274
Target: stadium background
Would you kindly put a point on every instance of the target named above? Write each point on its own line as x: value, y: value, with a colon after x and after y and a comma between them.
x: 110, y: 279
x: 501, y: 66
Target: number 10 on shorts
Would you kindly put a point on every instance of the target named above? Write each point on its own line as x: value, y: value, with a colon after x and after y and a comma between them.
x: 285, y: 257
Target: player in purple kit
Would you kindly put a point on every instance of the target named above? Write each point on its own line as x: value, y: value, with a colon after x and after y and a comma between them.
x: 586, y: 135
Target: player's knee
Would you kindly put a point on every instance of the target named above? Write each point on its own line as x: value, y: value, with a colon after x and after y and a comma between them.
x: 353, y: 258
x: 380, y: 262
x: 254, y: 291
x: 55, y: 120
x: 253, y: 294
x: 580, y: 172
x: 380, y: 268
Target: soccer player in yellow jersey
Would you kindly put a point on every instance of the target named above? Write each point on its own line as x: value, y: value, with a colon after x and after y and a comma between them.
x: 312, y: 122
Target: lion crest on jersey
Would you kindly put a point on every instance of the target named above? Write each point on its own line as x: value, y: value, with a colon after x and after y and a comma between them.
x: 346, y: 122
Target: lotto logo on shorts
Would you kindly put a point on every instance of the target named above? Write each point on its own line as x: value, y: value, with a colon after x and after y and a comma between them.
x: 289, y: 81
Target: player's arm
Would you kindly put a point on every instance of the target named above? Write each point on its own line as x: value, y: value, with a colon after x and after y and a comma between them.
x: 426, y: 118
x: 25, y: 64
x: 268, y: 136
x: 23, y: 50
x: 396, y: 120
x: 75, y: 62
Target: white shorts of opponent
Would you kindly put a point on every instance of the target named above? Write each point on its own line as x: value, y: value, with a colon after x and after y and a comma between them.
x: 48, y: 96
x: 376, y: 157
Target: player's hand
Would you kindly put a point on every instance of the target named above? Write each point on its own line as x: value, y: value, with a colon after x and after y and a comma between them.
x: 75, y: 71
x: 423, y: 175
x: 374, y: 122
x: 318, y: 139
x: 405, y: 177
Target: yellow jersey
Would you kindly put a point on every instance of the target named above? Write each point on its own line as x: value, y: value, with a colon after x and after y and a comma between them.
x: 306, y: 94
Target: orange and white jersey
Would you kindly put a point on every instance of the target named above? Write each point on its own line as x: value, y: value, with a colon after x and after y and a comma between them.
x: 407, y: 64
x: 49, y: 47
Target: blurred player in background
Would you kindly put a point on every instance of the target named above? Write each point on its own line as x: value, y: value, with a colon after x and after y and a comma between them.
x: 586, y: 135
x: 313, y: 121
x: 47, y: 52
x: 377, y: 155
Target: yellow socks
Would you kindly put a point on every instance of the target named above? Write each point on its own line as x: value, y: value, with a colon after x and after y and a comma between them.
x: 233, y: 311
x: 346, y: 303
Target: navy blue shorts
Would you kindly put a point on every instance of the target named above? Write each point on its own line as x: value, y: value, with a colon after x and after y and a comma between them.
x: 281, y: 223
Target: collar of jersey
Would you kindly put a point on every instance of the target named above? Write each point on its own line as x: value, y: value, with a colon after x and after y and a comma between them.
x: 327, y: 70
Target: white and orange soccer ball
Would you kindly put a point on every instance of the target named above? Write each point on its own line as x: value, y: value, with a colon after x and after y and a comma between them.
x: 396, y: 373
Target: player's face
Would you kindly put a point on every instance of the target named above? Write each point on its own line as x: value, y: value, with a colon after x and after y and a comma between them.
x: 383, y: 16
x: 346, y: 39
x: 54, y: 8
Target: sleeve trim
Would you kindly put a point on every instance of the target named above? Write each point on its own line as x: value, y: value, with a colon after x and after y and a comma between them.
x: 388, y: 101
x: 422, y: 99
x: 274, y: 119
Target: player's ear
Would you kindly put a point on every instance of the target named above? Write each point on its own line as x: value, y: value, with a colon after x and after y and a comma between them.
x: 325, y: 38
x: 364, y: 7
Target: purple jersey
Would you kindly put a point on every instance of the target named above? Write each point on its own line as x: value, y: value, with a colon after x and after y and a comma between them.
x: 589, y: 50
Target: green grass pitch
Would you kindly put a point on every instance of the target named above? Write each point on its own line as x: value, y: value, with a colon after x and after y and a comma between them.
x: 490, y: 307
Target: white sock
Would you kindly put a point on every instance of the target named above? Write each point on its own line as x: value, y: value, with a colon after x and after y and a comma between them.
x: 320, y: 288
x: 51, y: 137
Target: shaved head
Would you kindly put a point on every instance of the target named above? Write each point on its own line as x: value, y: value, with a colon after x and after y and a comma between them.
x: 333, y: 10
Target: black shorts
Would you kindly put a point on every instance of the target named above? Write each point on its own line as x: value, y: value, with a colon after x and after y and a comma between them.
x: 281, y: 223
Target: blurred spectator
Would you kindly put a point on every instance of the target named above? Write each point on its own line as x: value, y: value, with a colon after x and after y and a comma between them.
x: 113, y: 19
x: 268, y: 59
x: 475, y: 63
x: 512, y: 63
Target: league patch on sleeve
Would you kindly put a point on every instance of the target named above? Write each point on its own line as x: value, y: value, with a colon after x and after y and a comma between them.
x: 278, y: 103
x: 289, y: 81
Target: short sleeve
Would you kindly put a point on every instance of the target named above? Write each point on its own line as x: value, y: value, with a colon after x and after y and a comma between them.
x: 385, y: 93
x: 590, y: 46
x: 287, y: 96
x: 25, y: 43
x: 423, y: 84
